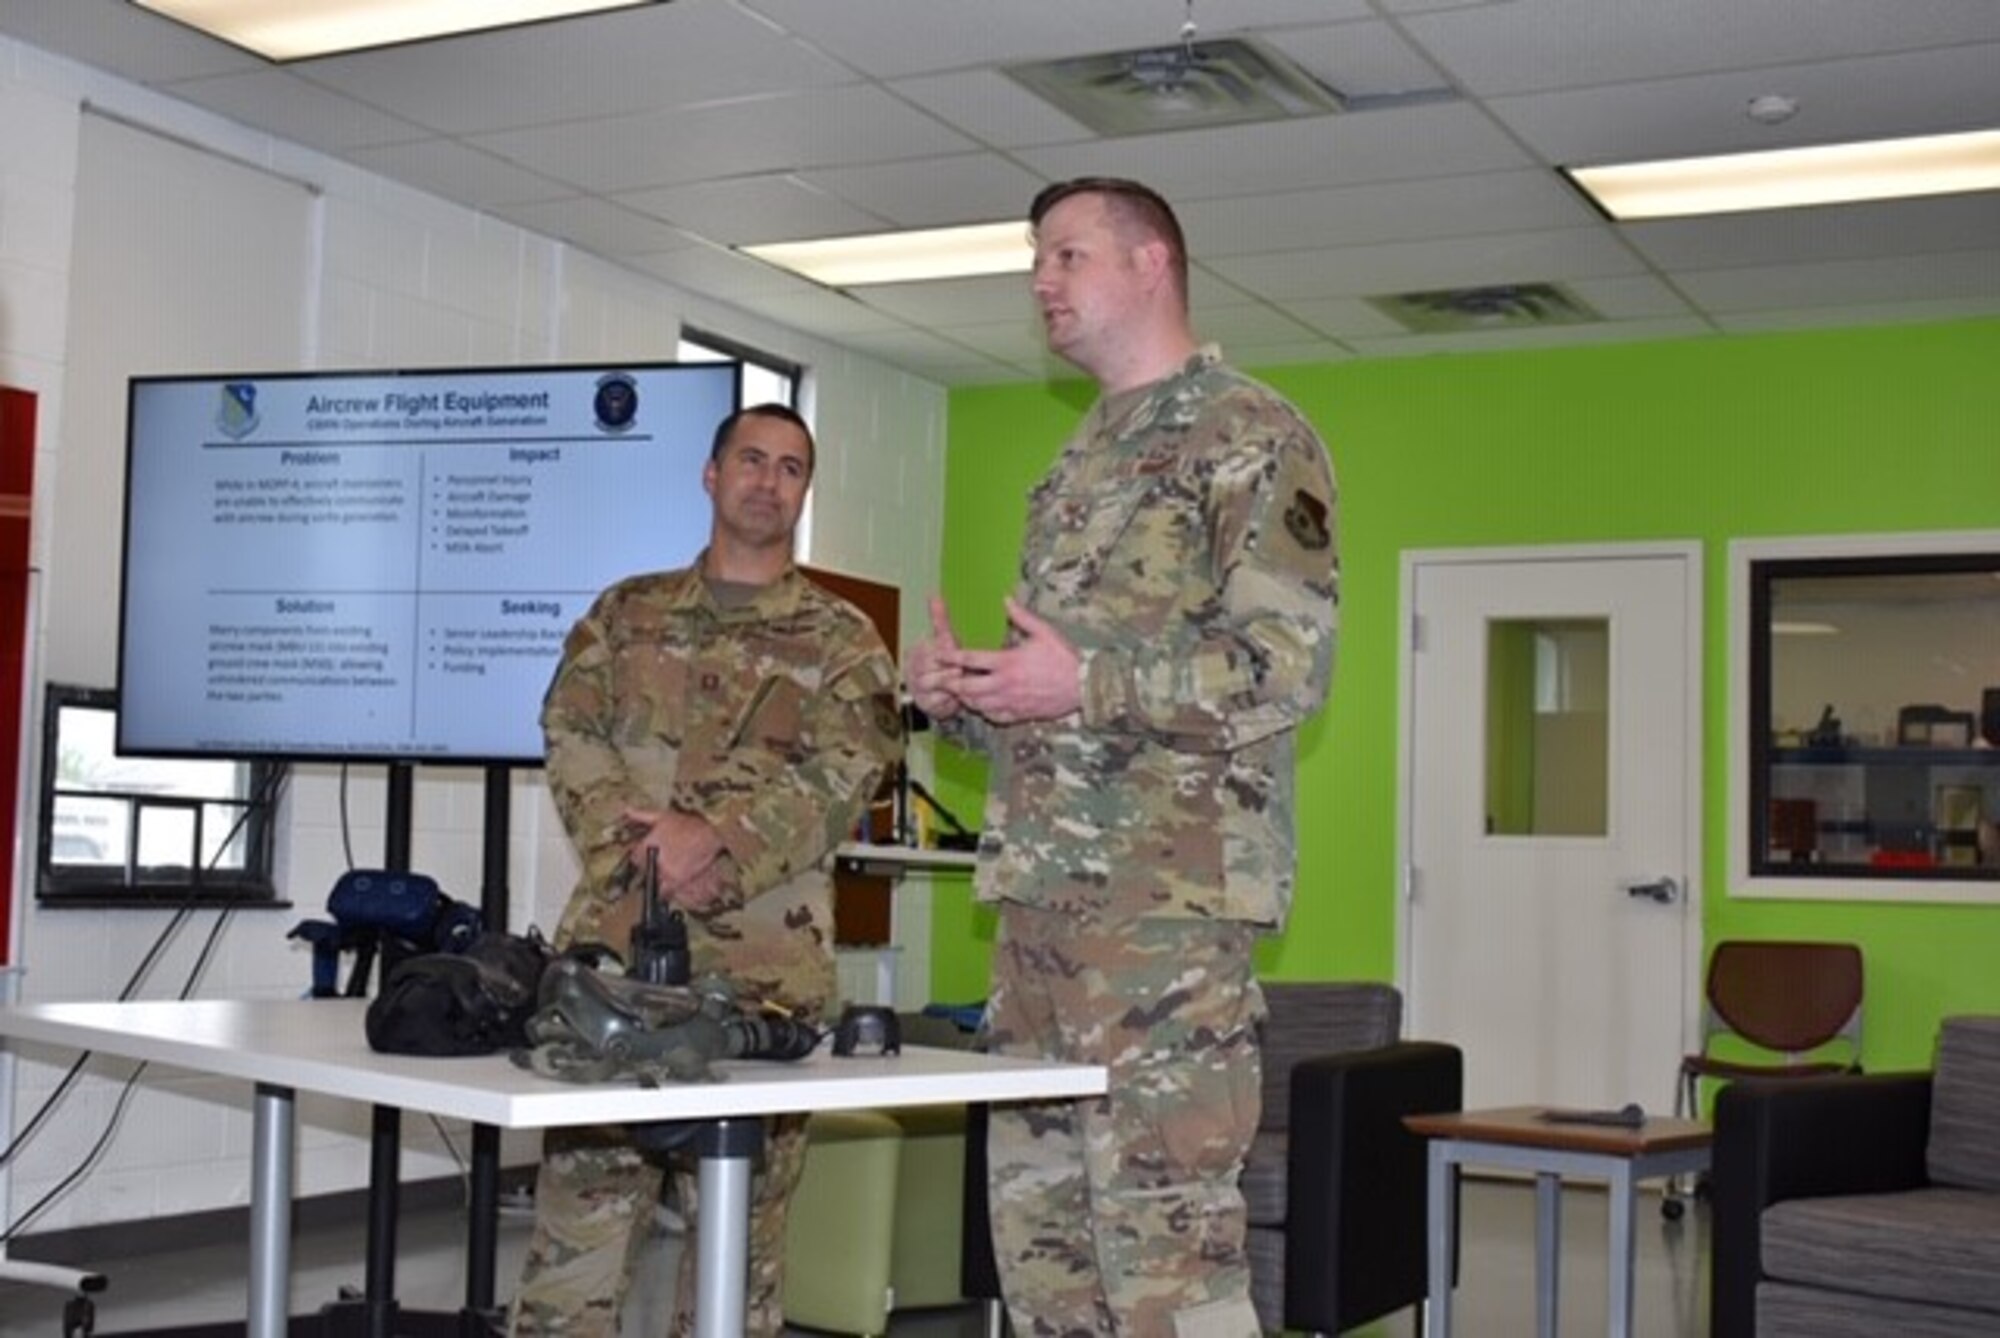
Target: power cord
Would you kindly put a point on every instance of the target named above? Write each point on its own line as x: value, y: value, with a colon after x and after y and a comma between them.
x: 346, y: 827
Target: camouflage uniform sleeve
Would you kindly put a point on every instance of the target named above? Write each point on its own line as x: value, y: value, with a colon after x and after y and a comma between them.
x: 587, y: 776
x: 783, y: 811
x: 1258, y: 660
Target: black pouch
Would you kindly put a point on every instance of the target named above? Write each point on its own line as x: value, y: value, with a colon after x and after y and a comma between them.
x: 475, y: 1002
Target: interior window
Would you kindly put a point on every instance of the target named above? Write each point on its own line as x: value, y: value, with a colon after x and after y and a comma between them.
x: 1875, y: 725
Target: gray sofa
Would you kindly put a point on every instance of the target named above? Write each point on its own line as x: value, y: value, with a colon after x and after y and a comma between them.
x: 1863, y: 1205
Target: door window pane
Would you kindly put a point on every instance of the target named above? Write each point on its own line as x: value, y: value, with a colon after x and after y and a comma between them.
x: 1547, y: 726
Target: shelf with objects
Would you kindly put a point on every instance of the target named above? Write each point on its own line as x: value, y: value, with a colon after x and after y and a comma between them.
x: 1872, y: 724
x: 922, y: 838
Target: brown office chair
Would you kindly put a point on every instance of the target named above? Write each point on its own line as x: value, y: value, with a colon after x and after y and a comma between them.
x: 1792, y: 1000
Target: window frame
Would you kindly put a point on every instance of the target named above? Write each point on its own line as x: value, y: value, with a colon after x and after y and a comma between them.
x: 731, y: 350
x: 1753, y: 563
x: 60, y: 884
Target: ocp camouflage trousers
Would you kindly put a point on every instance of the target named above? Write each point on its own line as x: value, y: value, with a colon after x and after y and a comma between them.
x: 594, y: 1198
x: 1122, y: 1216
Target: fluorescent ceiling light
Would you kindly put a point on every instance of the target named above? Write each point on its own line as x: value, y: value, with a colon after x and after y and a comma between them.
x: 1784, y: 628
x: 1882, y: 169
x: 295, y: 29
x: 900, y: 257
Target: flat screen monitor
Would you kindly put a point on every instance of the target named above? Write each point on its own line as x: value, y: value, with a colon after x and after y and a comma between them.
x: 382, y: 566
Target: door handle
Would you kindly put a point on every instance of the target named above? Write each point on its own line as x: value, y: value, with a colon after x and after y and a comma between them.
x: 1663, y: 890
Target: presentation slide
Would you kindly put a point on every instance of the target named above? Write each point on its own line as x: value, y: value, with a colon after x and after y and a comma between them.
x: 386, y: 566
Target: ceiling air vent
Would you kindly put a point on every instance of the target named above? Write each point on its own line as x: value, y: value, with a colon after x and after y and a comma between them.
x: 1507, y: 306
x: 1194, y: 84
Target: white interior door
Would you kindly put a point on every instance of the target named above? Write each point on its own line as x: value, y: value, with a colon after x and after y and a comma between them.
x: 1550, y: 826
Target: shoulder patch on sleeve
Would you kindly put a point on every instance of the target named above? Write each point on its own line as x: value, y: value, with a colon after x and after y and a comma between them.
x: 1305, y: 521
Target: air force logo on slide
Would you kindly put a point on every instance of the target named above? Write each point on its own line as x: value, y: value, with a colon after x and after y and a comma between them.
x: 236, y: 410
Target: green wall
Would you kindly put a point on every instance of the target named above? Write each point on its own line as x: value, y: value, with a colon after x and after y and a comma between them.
x: 1884, y: 429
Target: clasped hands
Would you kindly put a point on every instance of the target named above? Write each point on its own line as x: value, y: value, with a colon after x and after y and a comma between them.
x: 1036, y: 676
x: 689, y: 852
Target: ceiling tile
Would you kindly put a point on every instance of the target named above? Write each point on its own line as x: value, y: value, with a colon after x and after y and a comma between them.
x: 1388, y: 211
x: 1231, y: 325
x: 118, y: 36
x: 936, y: 192
x: 1208, y: 290
x: 1337, y: 150
x: 1831, y: 232
x: 1393, y: 267
x: 821, y: 312
x: 1845, y: 283
x: 1554, y: 336
x: 950, y: 302
x: 1820, y: 317
x: 1535, y: 45
x: 717, y: 272
x: 991, y: 108
x: 1362, y: 60
x: 598, y: 65
x: 1634, y: 297
x: 289, y: 107
x: 1015, y: 341
x: 594, y: 224
x: 450, y: 169
x: 832, y: 127
x: 1877, y: 97
x: 657, y: 136
x: 889, y: 39
x: 743, y: 211
x: 903, y: 346
x: 1420, y: 6
x: 1345, y: 317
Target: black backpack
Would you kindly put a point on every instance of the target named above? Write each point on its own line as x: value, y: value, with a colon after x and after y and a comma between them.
x: 474, y: 1002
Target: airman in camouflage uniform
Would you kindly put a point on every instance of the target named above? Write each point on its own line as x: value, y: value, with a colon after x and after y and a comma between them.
x: 738, y: 718
x: 1173, y: 626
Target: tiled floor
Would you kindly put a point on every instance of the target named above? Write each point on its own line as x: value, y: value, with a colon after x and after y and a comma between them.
x: 1495, y: 1297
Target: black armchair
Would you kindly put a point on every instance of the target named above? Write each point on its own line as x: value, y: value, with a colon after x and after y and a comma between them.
x: 1356, y: 1223
x: 1334, y: 1184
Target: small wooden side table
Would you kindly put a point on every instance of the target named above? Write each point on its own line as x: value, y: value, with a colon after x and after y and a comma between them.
x: 1522, y: 1138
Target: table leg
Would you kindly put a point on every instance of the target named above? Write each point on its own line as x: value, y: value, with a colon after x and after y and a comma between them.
x: 1623, y: 1206
x: 270, y: 1212
x: 1442, y: 1209
x: 385, y: 1191
x: 722, y: 1257
x: 1548, y: 1251
x: 482, y: 1228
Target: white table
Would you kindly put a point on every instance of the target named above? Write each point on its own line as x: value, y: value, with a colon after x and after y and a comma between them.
x: 285, y: 1046
x: 1520, y: 1138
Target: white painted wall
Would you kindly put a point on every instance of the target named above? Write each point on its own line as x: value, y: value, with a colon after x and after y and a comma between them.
x: 397, y: 278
